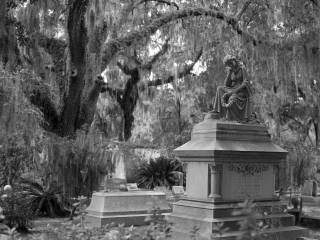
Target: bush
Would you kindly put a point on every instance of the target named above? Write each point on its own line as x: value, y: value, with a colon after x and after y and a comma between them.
x: 159, y: 172
x: 158, y: 229
x: 45, y: 199
x: 14, y: 158
x: 16, y: 210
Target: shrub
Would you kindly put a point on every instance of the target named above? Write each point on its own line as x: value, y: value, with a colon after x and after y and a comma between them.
x: 16, y: 210
x: 158, y: 229
x: 159, y: 172
x: 14, y: 158
x: 45, y: 199
x: 19, y: 126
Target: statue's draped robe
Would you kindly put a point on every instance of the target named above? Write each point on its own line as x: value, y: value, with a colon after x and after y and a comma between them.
x: 238, y: 106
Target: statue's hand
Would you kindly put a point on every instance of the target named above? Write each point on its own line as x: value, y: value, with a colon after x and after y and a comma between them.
x: 225, y: 97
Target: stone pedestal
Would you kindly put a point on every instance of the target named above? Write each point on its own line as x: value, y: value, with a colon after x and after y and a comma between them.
x: 227, y: 163
x: 129, y: 208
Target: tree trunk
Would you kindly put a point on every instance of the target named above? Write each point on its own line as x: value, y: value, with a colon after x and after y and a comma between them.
x: 129, y: 102
x: 128, y: 121
x: 89, y: 105
x: 77, y: 46
x: 3, y: 29
x: 9, y: 52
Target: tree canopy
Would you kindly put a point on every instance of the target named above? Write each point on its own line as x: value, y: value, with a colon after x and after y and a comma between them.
x: 147, y: 69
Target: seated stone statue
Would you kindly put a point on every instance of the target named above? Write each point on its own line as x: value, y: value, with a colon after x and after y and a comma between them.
x: 232, y: 100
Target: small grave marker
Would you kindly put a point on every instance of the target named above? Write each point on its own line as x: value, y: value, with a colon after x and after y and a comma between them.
x: 132, y: 187
x: 177, y: 190
x: 307, y: 188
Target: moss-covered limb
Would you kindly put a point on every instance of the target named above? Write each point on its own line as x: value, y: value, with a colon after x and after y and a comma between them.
x: 155, y: 58
x: 165, y: 2
x: 186, y: 69
x: 125, y: 68
x: 113, y: 46
x: 9, y: 52
x: 113, y: 92
x: 56, y: 48
x: 128, y: 97
x: 88, y: 106
x: 39, y: 95
x: 243, y: 9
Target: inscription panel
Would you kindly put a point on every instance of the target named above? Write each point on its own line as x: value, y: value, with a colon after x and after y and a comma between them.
x: 197, y: 180
x: 256, y: 185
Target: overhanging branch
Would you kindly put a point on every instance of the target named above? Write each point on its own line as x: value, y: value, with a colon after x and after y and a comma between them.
x: 184, y: 72
x: 243, y: 9
x: 113, y: 46
x: 169, y: 3
x: 124, y: 68
x: 39, y: 96
x: 114, y: 92
x: 188, y: 68
x: 155, y: 58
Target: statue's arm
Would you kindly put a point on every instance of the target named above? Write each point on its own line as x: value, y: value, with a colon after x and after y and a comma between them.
x: 243, y: 85
x: 228, y: 81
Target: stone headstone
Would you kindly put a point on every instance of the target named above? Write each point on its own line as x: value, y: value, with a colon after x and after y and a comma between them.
x: 180, y: 178
x: 315, y: 189
x: 113, y: 184
x: 132, y: 187
x: 307, y: 188
x: 161, y: 189
x: 177, y: 190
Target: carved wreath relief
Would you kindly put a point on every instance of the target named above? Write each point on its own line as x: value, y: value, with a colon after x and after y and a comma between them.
x: 248, y: 169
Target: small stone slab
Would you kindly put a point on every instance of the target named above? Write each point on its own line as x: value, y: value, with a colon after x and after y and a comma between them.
x: 114, y: 184
x: 130, y: 208
x: 177, y: 190
x: 132, y: 187
x: 307, y: 188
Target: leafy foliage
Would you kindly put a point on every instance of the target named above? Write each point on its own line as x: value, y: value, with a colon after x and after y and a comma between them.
x: 250, y: 227
x: 14, y: 160
x: 159, y: 172
x: 158, y: 228
x: 45, y: 200
x: 278, y: 41
x: 16, y: 210
x: 19, y: 127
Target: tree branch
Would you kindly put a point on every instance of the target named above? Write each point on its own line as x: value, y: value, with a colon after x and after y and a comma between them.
x: 114, y: 92
x: 315, y: 2
x: 56, y: 48
x: 160, y: 1
x: 39, y: 96
x: 124, y: 68
x: 132, y: 5
x: 77, y: 31
x: 186, y: 70
x: 155, y: 58
x: 113, y: 46
x: 89, y: 104
x: 135, y: 58
x: 243, y: 9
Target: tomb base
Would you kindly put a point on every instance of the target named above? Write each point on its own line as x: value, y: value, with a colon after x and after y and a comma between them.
x: 129, y: 208
x: 227, y: 163
x: 206, y: 216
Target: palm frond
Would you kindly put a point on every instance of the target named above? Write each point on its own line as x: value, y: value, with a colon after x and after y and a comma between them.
x: 159, y: 172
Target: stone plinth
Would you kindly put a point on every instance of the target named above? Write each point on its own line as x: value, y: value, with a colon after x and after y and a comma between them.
x: 227, y: 163
x: 130, y: 208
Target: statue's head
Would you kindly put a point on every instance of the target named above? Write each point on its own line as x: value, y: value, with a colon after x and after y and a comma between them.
x: 231, y: 62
